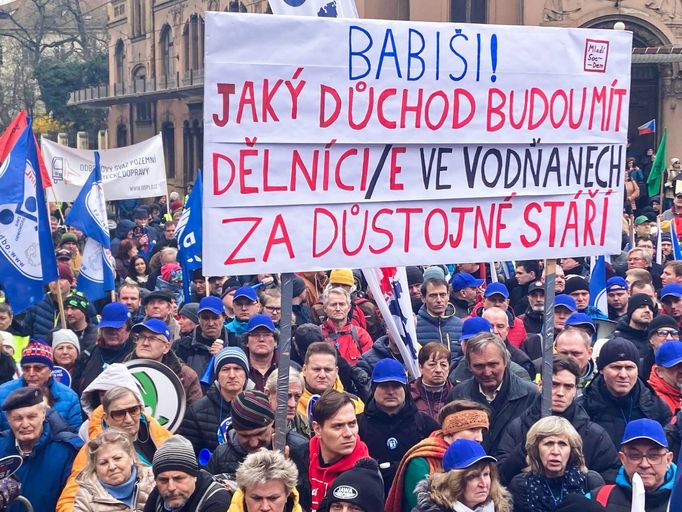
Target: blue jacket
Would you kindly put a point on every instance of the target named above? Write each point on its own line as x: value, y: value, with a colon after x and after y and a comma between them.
x: 45, y: 471
x: 66, y: 402
x: 444, y: 329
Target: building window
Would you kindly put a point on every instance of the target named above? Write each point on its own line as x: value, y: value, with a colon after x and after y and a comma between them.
x: 120, y: 62
x: 193, y: 140
x: 192, y: 37
x: 138, y: 17
x: 143, y: 112
x: 235, y: 6
x: 121, y: 136
x: 139, y: 79
x: 469, y: 11
x: 166, y: 47
x: 168, y: 136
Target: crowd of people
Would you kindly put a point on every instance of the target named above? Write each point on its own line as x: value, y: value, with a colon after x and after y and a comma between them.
x: 363, y: 434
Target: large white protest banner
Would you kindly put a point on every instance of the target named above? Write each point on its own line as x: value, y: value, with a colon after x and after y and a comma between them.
x: 372, y: 143
x: 127, y: 173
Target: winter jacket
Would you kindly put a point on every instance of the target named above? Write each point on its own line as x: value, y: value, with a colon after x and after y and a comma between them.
x: 462, y: 307
x: 351, y: 341
x: 157, y: 434
x: 89, y: 366
x: 613, y: 413
x: 44, y: 472
x: 673, y: 431
x: 42, y: 318
x: 201, y: 421
x: 380, y: 350
x: 517, y: 332
x: 302, y: 406
x: 425, y: 502
x: 193, y: 349
x: 93, y: 497
x: 228, y: 456
x: 533, y: 321
x: 515, y: 396
x: 322, y: 475
x: 65, y: 402
x: 638, y: 337
x: 620, y: 496
x: 532, y: 493
x: 388, y: 437
x: 429, y: 402
x: 444, y: 329
x: 600, y: 453
x: 187, y: 376
x: 238, y: 504
x: 669, y: 394
x: 208, y: 496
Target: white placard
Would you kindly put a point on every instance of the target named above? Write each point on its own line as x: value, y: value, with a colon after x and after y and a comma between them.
x: 130, y: 172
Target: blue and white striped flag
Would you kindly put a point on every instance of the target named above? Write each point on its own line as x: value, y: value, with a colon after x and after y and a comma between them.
x: 89, y: 214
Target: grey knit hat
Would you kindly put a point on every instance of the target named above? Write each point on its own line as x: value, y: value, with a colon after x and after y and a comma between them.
x: 175, y: 454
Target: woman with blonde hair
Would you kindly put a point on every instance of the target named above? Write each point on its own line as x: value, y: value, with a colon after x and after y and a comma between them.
x: 114, y: 479
x: 555, y: 467
x: 469, y: 483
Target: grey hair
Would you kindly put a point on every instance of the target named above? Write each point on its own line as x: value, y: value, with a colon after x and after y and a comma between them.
x: 264, y: 466
x: 646, y: 254
x: 478, y: 343
x: 114, y: 394
x: 294, y: 376
x: 337, y: 290
x: 166, y: 252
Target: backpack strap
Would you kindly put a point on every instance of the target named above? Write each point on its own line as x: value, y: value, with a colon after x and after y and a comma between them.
x: 214, y: 488
x: 356, y: 338
x: 603, y: 494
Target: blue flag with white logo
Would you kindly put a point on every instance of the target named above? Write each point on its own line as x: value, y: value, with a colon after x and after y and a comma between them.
x: 188, y: 233
x: 318, y: 8
x: 89, y: 215
x: 598, y: 285
x: 27, y: 260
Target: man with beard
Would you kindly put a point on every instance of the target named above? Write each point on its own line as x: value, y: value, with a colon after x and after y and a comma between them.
x: 533, y: 318
x: 464, y: 292
x: 180, y: 485
x: 634, y: 327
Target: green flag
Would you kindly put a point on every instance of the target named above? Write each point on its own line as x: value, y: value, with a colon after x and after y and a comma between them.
x: 656, y: 174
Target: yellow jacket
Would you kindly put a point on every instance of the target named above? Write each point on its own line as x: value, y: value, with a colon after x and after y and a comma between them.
x: 305, y: 398
x: 237, y: 503
x: 68, y: 496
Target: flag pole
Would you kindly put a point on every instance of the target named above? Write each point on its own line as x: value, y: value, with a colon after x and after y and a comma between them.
x: 548, y: 338
x: 284, y: 349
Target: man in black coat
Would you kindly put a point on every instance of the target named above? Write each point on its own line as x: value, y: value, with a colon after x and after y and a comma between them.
x: 507, y: 395
x: 253, y: 423
x: 635, y: 325
x: 600, y: 453
x: 391, y: 423
x: 616, y: 396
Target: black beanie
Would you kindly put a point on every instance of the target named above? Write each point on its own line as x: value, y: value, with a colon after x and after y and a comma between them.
x: 662, y: 321
x: 414, y: 275
x: 574, y: 284
x: 617, y: 349
x: 361, y: 485
x: 579, y: 503
x: 638, y: 300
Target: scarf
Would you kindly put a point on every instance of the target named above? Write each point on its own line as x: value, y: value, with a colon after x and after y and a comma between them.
x: 432, y: 449
x: 124, y: 492
x: 669, y: 394
x: 542, y: 494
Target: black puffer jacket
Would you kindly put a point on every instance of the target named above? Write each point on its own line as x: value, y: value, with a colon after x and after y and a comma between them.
x: 200, y: 424
x: 600, y: 453
x: 193, y: 349
x: 229, y: 456
x: 612, y: 413
x: 389, y: 437
x: 89, y: 366
x: 638, y: 337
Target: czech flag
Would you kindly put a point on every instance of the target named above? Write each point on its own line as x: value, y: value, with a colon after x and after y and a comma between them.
x: 648, y: 127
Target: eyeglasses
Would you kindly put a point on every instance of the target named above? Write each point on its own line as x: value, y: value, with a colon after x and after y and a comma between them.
x: 272, y: 309
x: 667, y: 332
x: 109, y: 436
x: 144, y: 338
x: 120, y: 414
x: 261, y: 335
x: 653, y: 458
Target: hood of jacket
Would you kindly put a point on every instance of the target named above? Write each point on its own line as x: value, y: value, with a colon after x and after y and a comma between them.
x: 115, y: 375
x: 123, y: 227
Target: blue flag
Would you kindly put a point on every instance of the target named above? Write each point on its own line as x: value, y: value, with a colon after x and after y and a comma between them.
x: 598, y: 285
x: 677, y: 253
x: 89, y: 215
x: 27, y: 260
x: 188, y: 233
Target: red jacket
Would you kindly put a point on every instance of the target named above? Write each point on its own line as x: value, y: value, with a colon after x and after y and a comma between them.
x: 351, y: 341
x: 321, y: 477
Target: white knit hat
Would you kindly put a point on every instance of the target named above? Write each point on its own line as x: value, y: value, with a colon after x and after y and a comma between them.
x: 65, y: 336
x: 7, y: 339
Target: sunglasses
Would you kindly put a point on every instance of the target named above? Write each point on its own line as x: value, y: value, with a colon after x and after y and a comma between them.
x: 120, y: 414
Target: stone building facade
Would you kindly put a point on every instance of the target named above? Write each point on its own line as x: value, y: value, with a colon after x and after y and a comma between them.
x: 156, y: 61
